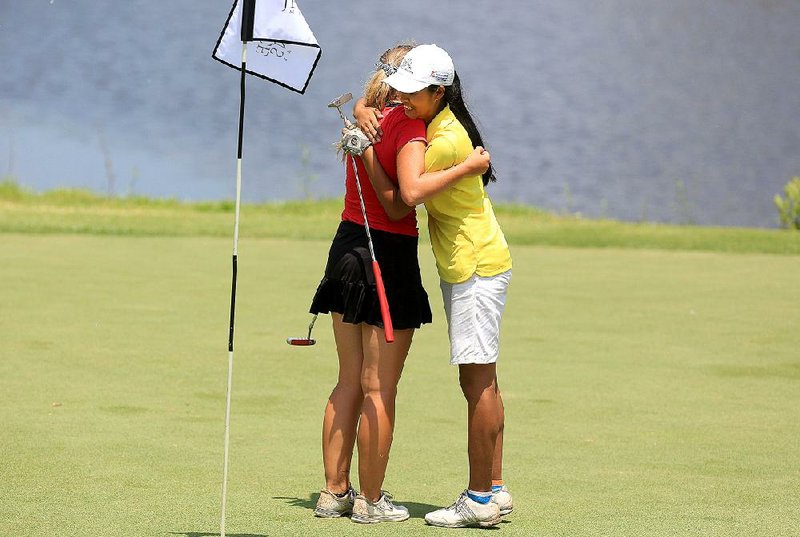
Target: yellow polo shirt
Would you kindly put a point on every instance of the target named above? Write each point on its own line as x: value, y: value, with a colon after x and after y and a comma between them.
x: 465, y: 236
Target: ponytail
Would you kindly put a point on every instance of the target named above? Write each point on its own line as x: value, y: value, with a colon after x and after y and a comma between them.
x: 454, y: 98
x: 376, y: 93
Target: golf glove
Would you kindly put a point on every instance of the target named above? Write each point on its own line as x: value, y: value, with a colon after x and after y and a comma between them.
x: 353, y: 141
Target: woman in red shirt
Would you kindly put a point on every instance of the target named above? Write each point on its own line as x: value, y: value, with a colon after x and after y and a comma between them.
x: 362, y: 404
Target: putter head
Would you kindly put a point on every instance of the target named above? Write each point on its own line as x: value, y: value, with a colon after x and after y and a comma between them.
x: 340, y: 100
x: 337, y: 104
x: 304, y: 341
x: 300, y: 341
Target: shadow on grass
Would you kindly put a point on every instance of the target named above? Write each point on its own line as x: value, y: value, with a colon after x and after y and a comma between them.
x: 419, y: 510
x: 202, y: 534
x: 416, y: 510
x: 302, y: 503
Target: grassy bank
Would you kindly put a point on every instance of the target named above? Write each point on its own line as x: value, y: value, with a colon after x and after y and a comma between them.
x: 77, y: 211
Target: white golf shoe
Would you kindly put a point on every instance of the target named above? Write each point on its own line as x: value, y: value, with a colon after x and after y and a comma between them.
x: 464, y: 513
x: 503, y: 500
x: 383, y: 510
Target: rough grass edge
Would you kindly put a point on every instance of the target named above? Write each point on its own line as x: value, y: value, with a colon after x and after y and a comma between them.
x: 77, y: 211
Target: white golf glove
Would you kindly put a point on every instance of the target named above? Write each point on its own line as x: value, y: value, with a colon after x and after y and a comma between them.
x: 353, y: 141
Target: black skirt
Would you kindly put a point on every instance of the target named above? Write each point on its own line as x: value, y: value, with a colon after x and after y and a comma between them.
x: 348, y: 286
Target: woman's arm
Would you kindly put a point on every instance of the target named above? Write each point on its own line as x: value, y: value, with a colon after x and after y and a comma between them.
x: 416, y: 186
x: 368, y: 120
x: 388, y: 193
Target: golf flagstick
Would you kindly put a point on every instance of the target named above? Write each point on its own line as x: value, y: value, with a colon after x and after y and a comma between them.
x: 233, y: 290
x: 287, y: 54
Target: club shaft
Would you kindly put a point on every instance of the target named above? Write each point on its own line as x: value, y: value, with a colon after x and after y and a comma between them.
x: 311, y: 325
x: 388, y: 329
x: 363, y: 208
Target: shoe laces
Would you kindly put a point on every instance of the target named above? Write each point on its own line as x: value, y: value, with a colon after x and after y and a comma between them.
x: 385, y: 503
x: 460, y: 506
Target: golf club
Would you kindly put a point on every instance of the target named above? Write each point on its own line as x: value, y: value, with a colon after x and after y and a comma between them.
x: 376, y: 270
x: 304, y: 341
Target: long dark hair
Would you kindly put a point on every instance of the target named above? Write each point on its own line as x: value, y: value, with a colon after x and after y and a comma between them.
x: 455, y: 99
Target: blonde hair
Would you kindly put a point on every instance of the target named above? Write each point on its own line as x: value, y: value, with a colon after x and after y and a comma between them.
x: 376, y: 93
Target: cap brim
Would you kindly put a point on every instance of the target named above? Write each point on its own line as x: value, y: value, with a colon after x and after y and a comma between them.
x: 404, y: 83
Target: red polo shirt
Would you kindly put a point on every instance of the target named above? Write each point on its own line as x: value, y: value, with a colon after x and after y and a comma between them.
x: 398, y: 130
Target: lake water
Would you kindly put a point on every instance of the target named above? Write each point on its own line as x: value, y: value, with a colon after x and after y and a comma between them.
x: 679, y: 111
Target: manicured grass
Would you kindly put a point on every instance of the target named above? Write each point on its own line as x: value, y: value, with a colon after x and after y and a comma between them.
x: 76, y: 211
x: 648, y: 393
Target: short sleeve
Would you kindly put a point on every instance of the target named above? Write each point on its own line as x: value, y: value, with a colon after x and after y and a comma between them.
x: 441, y: 154
x: 408, y: 130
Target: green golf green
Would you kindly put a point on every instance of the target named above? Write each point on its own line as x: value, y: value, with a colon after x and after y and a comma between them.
x: 648, y: 393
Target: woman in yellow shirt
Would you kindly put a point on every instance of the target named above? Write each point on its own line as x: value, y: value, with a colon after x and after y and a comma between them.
x: 449, y: 175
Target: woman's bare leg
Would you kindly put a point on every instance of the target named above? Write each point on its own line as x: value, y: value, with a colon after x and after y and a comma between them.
x: 382, y: 367
x: 497, y: 464
x: 479, y: 385
x: 343, y: 408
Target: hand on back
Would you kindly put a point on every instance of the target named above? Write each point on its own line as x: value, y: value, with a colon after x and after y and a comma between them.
x: 369, y: 121
x: 477, y: 162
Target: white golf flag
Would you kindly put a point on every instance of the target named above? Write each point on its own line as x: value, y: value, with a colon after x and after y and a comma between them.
x: 285, y: 52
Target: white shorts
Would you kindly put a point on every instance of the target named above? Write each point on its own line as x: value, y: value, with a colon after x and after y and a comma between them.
x: 473, y: 309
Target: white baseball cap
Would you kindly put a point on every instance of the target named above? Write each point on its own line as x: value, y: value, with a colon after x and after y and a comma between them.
x: 423, y: 66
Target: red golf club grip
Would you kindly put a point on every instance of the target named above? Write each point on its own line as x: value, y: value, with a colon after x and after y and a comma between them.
x: 387, y: 318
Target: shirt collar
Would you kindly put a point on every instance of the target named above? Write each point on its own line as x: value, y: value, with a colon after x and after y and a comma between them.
x: 442, y: 119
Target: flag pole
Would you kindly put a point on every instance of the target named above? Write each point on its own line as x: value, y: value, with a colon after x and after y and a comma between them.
x: 248, y: 17
x: 233, y: 294
x: 294, y: 36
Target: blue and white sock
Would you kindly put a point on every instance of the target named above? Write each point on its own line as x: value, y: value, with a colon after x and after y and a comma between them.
x: 497, y: 488
x: 480, y: 497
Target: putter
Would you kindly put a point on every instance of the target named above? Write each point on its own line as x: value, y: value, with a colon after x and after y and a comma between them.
x: 304, y: 341
x: 388, y: 330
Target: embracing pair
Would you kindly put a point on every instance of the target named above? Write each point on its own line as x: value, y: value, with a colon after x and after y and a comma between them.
x: 426, y: 149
